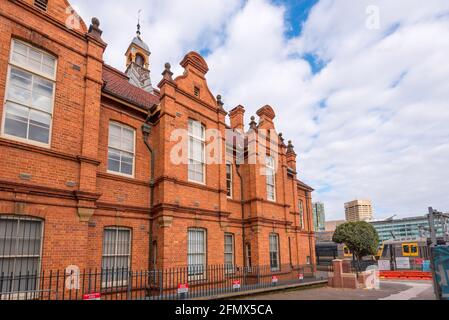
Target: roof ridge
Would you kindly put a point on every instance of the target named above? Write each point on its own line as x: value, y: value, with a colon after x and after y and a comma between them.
x: 115, y: 70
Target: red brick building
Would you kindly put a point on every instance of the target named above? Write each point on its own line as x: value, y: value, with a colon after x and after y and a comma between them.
x: 86, y: 169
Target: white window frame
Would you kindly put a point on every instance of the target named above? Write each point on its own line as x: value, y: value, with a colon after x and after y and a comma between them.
x: 203, y: 254
x: 122, y: 126
x: 277, y: 252
x: 202, y: 140
x: 229, y: 268
x: 115, y: 255
x: 230, y: 180
x: 24, y: 295
x: 34, y: 73
x: 270, y: 166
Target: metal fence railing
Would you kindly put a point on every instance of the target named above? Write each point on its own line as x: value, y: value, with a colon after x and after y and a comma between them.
x: 167, y: 284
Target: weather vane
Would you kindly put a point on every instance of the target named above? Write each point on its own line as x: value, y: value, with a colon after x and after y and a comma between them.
x: 138, y: 21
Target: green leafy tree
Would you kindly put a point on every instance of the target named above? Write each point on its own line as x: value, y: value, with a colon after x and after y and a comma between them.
x: 360, y: 237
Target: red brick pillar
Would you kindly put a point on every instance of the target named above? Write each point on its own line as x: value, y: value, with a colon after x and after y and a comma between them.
x: 89, y: 162
x: 338, y: 273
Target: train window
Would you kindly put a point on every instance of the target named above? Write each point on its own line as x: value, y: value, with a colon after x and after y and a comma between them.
x: 414, y: 252
x: 410, y: 250
x: 405, y: 250
x: 386, y: 251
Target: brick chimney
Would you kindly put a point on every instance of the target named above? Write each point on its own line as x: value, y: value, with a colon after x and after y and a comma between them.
x: 237, y: 118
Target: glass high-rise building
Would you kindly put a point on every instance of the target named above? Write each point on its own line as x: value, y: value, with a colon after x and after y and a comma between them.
x: 319, y: 217
x: 406, y: 229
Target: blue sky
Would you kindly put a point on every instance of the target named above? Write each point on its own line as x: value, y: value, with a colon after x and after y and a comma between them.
x: 296, y: 14
x: 360, y: 86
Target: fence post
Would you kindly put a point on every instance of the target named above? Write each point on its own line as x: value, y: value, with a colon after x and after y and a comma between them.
x: 128, y: 294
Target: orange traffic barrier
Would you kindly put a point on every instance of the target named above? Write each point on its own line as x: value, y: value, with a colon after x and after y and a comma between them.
x: 406, y: 275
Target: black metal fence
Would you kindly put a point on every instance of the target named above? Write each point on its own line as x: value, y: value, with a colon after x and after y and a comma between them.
x: 167, y: 284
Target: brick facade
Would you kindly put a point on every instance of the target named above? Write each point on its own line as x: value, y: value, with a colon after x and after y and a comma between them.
x: 69, y: 187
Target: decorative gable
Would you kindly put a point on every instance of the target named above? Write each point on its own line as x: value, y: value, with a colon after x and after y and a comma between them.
x: 59, y: 10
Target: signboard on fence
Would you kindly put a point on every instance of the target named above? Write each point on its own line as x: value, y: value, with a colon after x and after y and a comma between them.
x: 403, y: 263
x: 183, y: 288
x: 92, y: 296
x: 301, y: 277
x: 274, y: 280
x: 236, y: 284
x: 419, y: 261
x: 384, y: 265
x: 441, y: 255
x: 426, y: 266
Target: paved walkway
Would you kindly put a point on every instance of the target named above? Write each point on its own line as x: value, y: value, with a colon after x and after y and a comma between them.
x: 389, y: 290
x: 415, y: 291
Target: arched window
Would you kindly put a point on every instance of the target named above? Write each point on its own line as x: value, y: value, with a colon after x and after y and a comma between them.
x: 140, y: 60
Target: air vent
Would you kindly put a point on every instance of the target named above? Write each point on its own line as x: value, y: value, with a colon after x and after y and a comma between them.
x: 41, y: 4
x: 196, y: 92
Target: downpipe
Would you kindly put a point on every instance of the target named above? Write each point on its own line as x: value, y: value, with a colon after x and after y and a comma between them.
x: 146, y: 130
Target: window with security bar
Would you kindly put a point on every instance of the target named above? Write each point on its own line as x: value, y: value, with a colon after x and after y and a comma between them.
x: 229, y: 253
x: 116, y: 256
x: 274, y: 252
x: 20, y: 254
x: 196, y: 253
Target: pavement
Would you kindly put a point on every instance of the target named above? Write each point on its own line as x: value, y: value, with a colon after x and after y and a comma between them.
x: 389, y: 290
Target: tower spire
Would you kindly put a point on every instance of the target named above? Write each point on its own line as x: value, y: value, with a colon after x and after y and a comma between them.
x: 138, y: 22
x: 138, y: 60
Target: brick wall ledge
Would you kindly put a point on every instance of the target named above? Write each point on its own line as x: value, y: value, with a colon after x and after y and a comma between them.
x: 187, y: 184
x: 267, y: 202
x: 16, y: 187
x: 192, y: 210
x: 47, y: 152
x: 28, y: 147
x: 302, y: 286
x: 123, y: 208
x: 115, y: 177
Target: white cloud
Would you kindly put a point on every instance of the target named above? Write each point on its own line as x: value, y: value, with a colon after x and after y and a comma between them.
x: 383, y: 133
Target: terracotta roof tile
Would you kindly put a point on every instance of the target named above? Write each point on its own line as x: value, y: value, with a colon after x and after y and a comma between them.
x: 116, y: 83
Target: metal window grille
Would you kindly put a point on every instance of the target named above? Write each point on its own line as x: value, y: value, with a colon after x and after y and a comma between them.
x: 229, y: 253
x: 196, y: 254
x: 20, y: 254
x: 248, y: 255
x: 274, y: 251
x: 116, y: 256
